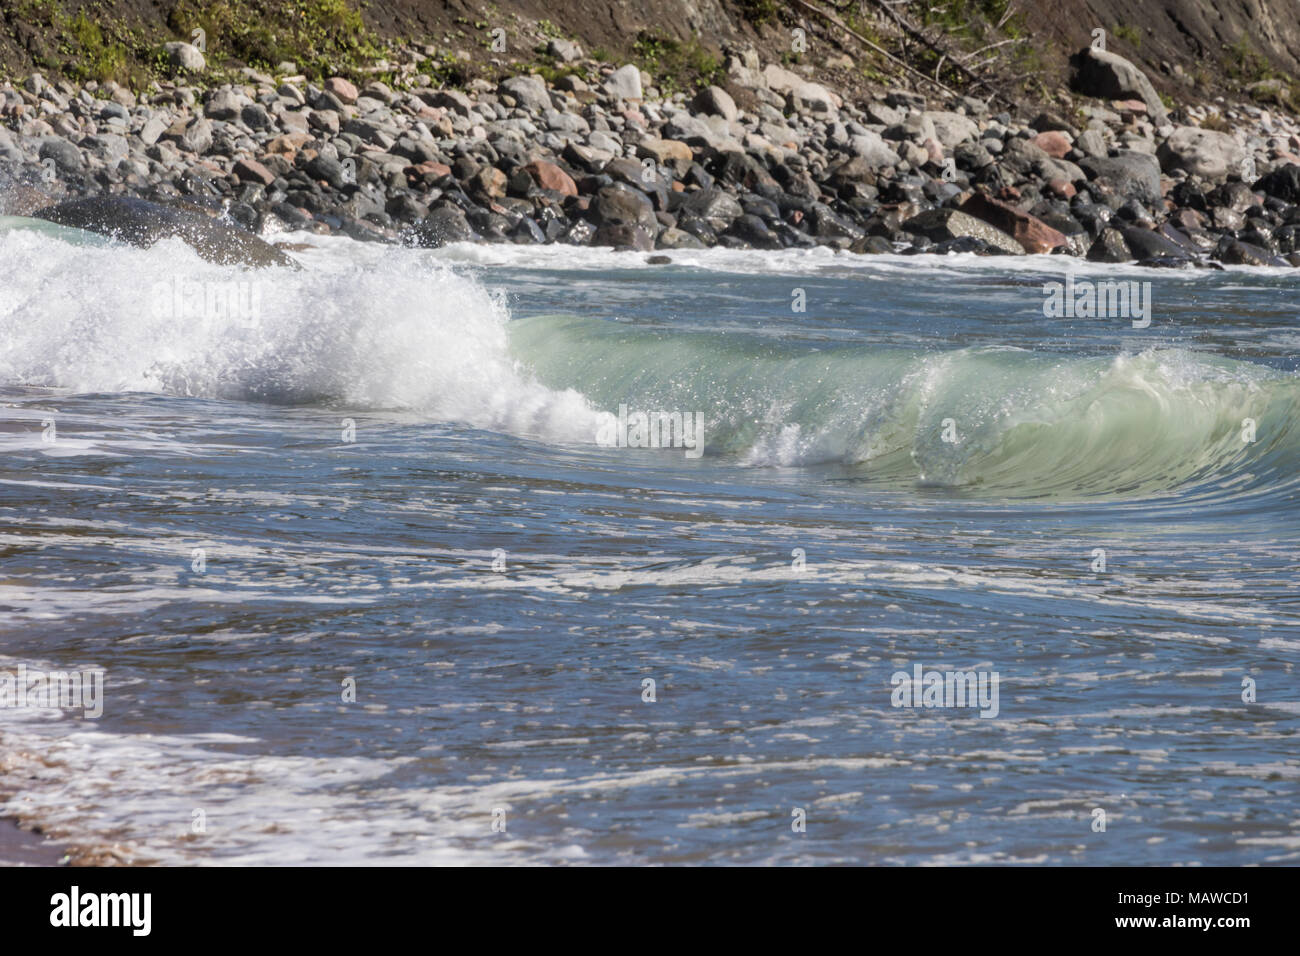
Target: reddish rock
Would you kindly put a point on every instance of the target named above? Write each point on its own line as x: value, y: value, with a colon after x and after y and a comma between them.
x: 1130, y: 106
x: 1187, y: 219
x: 1054, y: 143
x: 345, y: 91
x: 549, y: 176
x: 430, y: 168
x: 490, y: 181
x: 934, y: 151
x: 1061, y: 188
x: 289, y: 143
x: 250, y: 170
x: 1030, y: 231
x: 1008, y: 193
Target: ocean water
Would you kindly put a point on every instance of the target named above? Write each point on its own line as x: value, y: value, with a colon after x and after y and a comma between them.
x: 366, y: 589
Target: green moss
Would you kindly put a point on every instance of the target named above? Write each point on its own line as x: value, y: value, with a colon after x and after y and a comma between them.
x: 1129, y: 35
x: 96, y: 57
x: 546, y: 68
x: 675, y: 64
x: 1244, y: 63
x: 88, y: 46
x: 759, y: 12
x: 323, y: 37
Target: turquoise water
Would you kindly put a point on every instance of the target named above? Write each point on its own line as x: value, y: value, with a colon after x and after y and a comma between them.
x: 392, y: 475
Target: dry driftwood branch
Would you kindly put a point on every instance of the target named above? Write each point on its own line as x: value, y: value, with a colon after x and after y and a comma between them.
x: 913, y: 31
x: 967, y: 57
x: 883, y: 52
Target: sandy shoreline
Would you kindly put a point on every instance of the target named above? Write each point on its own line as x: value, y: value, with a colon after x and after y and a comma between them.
x: 19, y: 847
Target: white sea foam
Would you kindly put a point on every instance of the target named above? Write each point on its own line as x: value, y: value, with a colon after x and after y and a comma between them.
x: 396, y: 332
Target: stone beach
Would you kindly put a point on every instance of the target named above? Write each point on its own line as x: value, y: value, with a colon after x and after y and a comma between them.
x: 778, y: 162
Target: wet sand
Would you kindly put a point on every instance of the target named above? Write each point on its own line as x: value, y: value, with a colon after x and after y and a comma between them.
x: 20, y: 847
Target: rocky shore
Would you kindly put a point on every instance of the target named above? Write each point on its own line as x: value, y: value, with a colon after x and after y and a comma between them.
x: 600, y: 157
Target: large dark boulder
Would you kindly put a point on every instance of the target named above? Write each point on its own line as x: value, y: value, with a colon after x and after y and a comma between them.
x: 142, y: 223
x: 1129, y: 175
x: 939, y: 225
x: 1109, y: 247
x: 1282, y: 183
x: 621, y: 205
x: 443, y: 225
x: 717, y: 208
x: 1147, y: 244
x: 624, y: 235
x: 1109, y: 76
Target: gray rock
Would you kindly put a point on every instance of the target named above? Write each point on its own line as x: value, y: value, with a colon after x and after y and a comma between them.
x: 952, y: 128
x: 152, y: 129
x: 1092, y: 143
x: 1282, y: 183
x: 624, y: 83
x: 714, y: 207
x: 564, y: 50
x: 1235, y: 252
x: 1146, y: 244
x: 109, y: 147
x: 67, y: 158
x: 183, y: 56
x: 326, y: 121
x: 753, y: 230
x: 673, y: 238
x: 448, y: 99
x: 826, y: 224
x: 1212, y: 155
x: 445, y: 224
x: 972, y: 156
x: 570, y: 123
x: 224, y: 105
x: 143, y: 223
x: 873, y: 148
x: 716, y: 101
x: 111, y: 111
x: 1022, y: 157
x: 883, y: 114
x: 943, y: 224
x: 1109, y: 246
x: 197, y: 136
x: 873, y: 245
x: 625, y: 235
x: 256, y: 117
x: 619, y: 204
x: 328, y: 169
x: 528, y: 91
x: 1123, y: 177
x: 1109, y: 76
x: 812, y: 98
